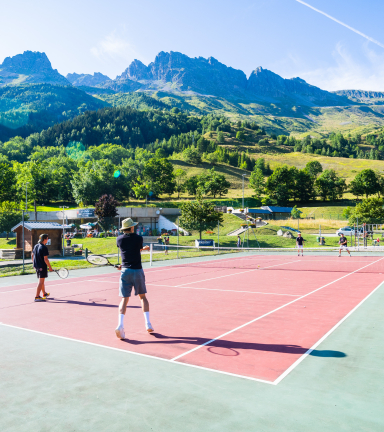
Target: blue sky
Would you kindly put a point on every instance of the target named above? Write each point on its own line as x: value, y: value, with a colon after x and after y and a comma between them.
x: 284, y: 36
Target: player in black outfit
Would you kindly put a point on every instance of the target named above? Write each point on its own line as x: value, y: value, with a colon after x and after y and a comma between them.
x: 299, y: 244
x: 132, y: 274
x: 41, y: 264
x: 343, y: 244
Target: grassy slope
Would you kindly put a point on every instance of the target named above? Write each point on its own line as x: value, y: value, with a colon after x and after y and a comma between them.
x: 283, y: 117
x: 346, y: 168
x: 232, y: 174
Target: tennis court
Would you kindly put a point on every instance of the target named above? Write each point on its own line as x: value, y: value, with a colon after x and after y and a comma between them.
x: 243, y: 316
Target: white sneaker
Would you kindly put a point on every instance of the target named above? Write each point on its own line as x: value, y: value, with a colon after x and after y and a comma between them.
x: 120, y: 333
x: 149, y: 327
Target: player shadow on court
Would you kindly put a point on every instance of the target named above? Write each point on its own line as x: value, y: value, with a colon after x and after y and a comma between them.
x: 231, y: 346
x: 96, y: 302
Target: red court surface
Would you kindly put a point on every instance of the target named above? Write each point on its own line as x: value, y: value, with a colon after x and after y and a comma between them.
x: 254, y: 323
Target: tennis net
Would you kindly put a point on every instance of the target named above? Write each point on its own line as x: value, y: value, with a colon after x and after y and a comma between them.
x: 243, y: 258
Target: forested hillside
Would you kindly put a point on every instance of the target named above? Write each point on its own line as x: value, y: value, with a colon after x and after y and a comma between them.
x: 132, y: 154
x: 30, y: 108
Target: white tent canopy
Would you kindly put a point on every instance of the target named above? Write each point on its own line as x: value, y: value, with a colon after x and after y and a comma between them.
x: 88, y: 225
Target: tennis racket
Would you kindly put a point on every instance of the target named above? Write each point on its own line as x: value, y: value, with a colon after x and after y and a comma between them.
x: 99, y: 260
x: 62, y: 273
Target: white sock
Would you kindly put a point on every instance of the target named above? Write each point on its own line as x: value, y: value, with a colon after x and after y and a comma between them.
x: 146, y: 316
x: 121, y: 320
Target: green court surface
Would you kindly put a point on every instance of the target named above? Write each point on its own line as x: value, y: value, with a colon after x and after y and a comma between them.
x: 54, y: 384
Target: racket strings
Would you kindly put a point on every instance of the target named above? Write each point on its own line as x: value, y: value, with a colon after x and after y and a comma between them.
x: 63, y: 273
x: 97, y: 260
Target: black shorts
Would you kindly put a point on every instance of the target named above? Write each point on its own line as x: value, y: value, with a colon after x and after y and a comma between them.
x: 42, y: 273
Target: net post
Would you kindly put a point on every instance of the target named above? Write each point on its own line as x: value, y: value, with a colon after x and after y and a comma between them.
x: 150, y: 254
x: 218, y: 237
x: 118, y: 255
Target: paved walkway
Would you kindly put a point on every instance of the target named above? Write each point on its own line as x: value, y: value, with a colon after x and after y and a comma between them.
x: 29, y: 261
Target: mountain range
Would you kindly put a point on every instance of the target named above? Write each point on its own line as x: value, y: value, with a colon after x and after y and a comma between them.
x: 177, y: 73
x: 34, y: 96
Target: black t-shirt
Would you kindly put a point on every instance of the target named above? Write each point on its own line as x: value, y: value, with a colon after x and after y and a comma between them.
x: 299, y: 241
x: 343, y: 240
x: 130, y: 246
x: 39, y: 252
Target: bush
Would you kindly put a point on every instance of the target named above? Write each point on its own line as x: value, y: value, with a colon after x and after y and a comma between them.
x: 240, y: 135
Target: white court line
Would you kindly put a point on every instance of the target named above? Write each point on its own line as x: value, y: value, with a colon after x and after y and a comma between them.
x: 47, y: 286
x: 269, y: 313
x: 140, y: 354
x: 52, y: 285
x: 224, y: 290
x: 298, y: 361
x: 232, y: 274
x: 235, y: 274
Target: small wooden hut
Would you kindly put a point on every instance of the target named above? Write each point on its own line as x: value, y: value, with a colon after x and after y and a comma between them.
x: 32, y: 232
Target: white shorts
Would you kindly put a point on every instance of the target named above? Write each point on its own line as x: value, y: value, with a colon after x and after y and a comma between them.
x: 300, y: 246
x: 344, y: 247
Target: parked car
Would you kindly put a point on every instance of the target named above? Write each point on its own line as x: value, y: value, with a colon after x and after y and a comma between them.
x: 347, y: 231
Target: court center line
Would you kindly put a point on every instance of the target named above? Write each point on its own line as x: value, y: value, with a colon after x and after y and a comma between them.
x: 235, y: 274
x: 314, y: 346
x: 223, y: 290
x: 232, y: 274
x: 271, y: 312
x: 211, y: 289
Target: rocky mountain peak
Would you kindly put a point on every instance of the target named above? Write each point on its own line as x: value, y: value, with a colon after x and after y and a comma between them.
x: 87, y: 79
x: 29, y: 67
x: 136, y: 71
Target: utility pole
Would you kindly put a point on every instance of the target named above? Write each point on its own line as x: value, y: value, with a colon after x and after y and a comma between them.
x: 26, y: 196
x: 63, y: 227
x: 243, y: 190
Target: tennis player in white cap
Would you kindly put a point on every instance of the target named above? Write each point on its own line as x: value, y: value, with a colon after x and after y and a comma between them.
x: 132, y: 274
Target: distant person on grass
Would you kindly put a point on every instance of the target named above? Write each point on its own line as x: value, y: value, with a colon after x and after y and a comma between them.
x: 300, y: 245
x: 343, y: 244
x: 41, y: 264
x: 238, y: 241
x: 166, y: 244
x: 132, y: 274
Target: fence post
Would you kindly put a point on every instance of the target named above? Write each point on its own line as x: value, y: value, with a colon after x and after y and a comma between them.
x: 150, y: 254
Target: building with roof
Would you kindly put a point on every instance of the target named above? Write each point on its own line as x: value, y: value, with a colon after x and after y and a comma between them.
x: 263, y: 213
x: 32, y: 232
x: 279, y: 212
